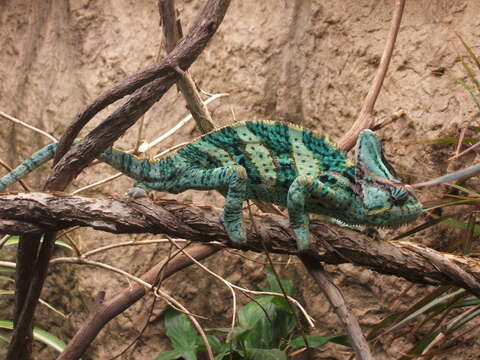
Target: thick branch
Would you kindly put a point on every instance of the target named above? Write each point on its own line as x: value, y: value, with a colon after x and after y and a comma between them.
x: 404, y: 259
x: 149, y: 86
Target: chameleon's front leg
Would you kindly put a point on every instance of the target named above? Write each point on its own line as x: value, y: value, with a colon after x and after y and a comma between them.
x: 299, y: 220
x: 232, y: 209
x: 301, y: 189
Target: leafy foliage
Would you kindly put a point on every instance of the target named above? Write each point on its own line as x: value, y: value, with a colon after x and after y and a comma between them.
x: 265, y: 330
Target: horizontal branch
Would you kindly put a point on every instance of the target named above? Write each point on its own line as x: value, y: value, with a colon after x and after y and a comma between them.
x: 411, y: 261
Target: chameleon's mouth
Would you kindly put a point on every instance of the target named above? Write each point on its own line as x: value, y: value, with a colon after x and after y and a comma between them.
x: 377, y: 211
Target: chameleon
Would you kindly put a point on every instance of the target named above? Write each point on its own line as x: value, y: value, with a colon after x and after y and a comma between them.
x: 275, y: 162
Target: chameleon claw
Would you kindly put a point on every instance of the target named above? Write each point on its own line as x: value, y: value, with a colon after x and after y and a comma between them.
x: 136, y: 193
x: 235, y: 230
x: 302, y: 235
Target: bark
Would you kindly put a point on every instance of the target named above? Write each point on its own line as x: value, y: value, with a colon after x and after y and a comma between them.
x: 333, y: 244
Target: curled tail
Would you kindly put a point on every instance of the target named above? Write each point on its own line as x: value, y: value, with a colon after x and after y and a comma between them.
x: 33, y: 162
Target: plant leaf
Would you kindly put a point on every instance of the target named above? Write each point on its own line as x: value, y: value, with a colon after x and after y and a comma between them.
x: 266, y: 354
x: 39, y: 335
x: 180, y: 331
x: 318, y: 341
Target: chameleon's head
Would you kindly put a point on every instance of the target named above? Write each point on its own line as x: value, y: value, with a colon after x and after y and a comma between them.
x: 385, y: 200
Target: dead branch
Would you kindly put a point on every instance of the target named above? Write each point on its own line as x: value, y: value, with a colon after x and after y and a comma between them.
x: 201, y: 224
x: 365, y: 120
x: 172, y: 33
x: 336, y: 299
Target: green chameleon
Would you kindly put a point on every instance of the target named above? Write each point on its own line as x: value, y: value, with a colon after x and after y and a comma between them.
x: 274, y: 162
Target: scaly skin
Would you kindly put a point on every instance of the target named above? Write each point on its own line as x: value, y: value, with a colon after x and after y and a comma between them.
x: 274, y: 162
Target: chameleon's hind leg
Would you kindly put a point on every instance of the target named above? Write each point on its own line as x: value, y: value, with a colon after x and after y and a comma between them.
x: 230, y: 180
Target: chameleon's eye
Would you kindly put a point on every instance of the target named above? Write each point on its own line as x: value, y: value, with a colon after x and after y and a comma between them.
x: 398, y: 194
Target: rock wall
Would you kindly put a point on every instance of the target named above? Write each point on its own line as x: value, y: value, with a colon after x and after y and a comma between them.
x: 306, y: 61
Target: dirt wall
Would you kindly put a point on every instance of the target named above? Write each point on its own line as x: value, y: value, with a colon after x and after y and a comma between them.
x: 306, y: 61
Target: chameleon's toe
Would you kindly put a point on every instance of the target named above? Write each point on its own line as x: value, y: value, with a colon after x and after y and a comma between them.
x: 137, y: 193
x: 303, y: 237
x: 235, y: 230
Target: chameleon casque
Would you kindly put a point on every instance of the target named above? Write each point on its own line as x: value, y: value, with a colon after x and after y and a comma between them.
x: 275, y: 162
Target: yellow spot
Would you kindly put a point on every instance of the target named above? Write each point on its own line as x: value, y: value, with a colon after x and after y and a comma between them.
x: 305, y: 180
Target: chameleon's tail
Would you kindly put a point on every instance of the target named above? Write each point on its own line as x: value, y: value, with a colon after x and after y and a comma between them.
x: 33, y: 162
x: 158, y: 172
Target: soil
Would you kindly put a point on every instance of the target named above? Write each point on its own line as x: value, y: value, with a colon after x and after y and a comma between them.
x: 306, y: 61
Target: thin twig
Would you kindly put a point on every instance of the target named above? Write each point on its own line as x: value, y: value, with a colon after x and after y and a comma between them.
x: 146, y: 146
x: 308, y: 318
x: 24, y: 124
x: 364, y: 120
x: 172, y: 32
x: 128, y: 243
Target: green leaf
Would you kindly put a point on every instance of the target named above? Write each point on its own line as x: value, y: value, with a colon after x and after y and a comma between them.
x: 268, y: 323
x: 180, y: 332
x: 422, y: 345
x: 7, y: 266
x: 469, y: 50
x: 15, y: 239
x: 425, y: 308
x: 43, y: 302
x: 465, y: 320
x: 468, y: 302
x: 39, y: 335
x: 474, y: 96
x: 272, y: 283
x: 266, y: 354
x: 7, y: 278
x: 169, y: 355
x: 318, y: 341
x: 460, y: 225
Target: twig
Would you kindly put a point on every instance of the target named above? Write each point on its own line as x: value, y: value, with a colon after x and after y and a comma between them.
x: 364, y: 120
x: 128, y: 243
x: 172, y: 34
x: 145, y: 147
x: 24, y: 124
x: 308, y: 318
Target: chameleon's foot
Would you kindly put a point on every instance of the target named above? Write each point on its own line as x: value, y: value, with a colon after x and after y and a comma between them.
x: 303, y: 238
x: 137, y: 193
x: 235, y: 230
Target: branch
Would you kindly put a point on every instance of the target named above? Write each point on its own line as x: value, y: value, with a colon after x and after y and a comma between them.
x: 365, y: 120
x: 172, y: 33
x: 411, y: 261
x: 335, y: 297
x: 149, y: 86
